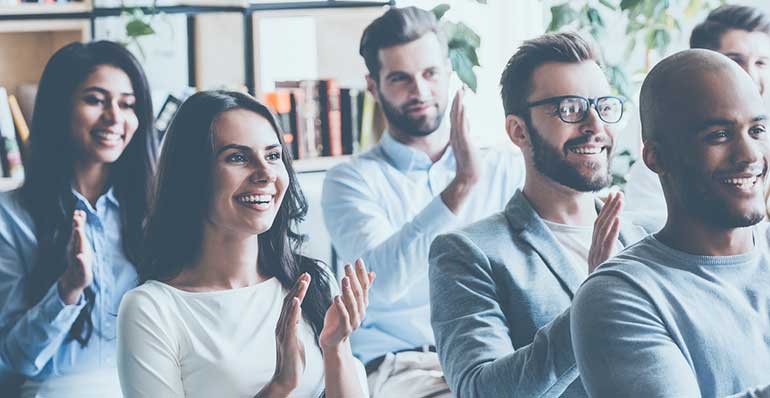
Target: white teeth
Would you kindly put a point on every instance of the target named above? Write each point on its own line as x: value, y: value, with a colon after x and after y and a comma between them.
x: 586, y: 151
x: 108, y: 136
x: 741, y: 182
x: 252, y: 199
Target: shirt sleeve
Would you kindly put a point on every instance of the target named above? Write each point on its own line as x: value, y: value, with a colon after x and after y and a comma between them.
x: 359, y: 227
x: 29, y: 335
x: 622, y: 345
x: 148, y: 363
x: 473, y: 337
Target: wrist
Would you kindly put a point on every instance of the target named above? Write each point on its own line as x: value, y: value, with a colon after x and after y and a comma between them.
x: 67, y: 293
x: 273, y: 390
x: 338, y: 353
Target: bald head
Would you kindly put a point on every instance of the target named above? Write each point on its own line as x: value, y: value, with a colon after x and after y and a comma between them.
x: 686, y: 86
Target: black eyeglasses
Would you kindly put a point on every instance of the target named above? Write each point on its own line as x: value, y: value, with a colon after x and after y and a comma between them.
x: 574, y: 108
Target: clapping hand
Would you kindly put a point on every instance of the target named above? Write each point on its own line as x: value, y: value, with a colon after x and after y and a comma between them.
x: 78, y: 275
x: 290, y: 353
x: 606, y: 231
x: 347, y: 310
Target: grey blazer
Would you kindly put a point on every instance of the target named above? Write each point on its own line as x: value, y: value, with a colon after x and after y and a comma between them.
x: 500, y: 292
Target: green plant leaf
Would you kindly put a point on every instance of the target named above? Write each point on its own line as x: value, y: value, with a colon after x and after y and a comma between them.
x: 629, y: 4
x: 609, y: 5
x: 137, y: 28
x: 467, y: 51
x: 464, y: 68
x: 561, y: 15
x: 440, y: 10
x: 467, y: 35
x: 595, y: 22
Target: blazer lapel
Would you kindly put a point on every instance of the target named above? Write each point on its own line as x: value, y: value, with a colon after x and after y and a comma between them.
x: 530, y: 227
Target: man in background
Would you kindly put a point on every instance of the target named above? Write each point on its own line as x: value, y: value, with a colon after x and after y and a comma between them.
x: 387, y: 205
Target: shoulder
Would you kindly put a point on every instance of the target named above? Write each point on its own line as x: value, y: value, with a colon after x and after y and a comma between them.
x: 483, y: 238
x: 150, y: 299
x: 633, y: 270
x: 11, y: 206
x: 359, y: 166
x: 15, y: 220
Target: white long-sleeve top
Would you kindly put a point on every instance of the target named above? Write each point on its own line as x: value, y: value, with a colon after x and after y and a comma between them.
x: 174, y: 343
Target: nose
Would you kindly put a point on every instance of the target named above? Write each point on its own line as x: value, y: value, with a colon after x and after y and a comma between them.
x: 421, y: 87
x: 749, y: 150
x: 592, y: 124
x: 112, y: 113
x: 263, y: 174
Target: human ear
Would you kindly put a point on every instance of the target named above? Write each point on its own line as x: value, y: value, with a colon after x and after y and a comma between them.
x: 517, y: 131
x: 651, y: 154
x: 371, y: 87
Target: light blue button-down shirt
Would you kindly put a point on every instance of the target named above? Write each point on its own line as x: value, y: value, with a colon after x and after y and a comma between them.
x: 385, y: 207
x: 33, y: 339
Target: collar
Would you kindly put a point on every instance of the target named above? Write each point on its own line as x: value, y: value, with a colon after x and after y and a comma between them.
x: 85, y: 205
x: 525, y: 222
x: 405, y: 158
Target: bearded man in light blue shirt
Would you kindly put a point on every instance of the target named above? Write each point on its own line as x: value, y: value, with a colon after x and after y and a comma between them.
x: 424, y: 178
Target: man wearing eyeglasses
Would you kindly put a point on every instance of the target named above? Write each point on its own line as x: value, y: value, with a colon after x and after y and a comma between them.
x: 501, y: 288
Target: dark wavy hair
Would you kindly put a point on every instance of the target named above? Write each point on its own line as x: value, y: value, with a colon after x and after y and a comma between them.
x: 49, y: 165
x: 174, y: 230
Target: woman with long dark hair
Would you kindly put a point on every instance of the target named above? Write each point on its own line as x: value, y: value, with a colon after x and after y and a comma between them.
x: 230, y: 308
x: 70, y: 236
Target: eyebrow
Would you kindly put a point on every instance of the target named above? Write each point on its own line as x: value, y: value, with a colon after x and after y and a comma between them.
x: 103, y: 91
x: 396, y: 73
x: 244, y: 148
x: 727, y: 122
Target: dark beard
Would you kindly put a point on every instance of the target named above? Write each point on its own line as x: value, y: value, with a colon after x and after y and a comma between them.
x: 406, y: 125
x: 703, y: 205
x: 550, y: 162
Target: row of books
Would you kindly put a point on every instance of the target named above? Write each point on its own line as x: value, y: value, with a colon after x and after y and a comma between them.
x: 15, y: 2
x: 14, y: 133
x: 320, y: 118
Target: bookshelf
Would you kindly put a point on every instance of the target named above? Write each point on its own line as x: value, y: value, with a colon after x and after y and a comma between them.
x: 30, y: 33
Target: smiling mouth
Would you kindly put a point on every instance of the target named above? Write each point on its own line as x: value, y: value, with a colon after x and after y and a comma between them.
x: 587, y: 150
x: 108, y: 137
x: 744, y: 181
x: 259, y: 201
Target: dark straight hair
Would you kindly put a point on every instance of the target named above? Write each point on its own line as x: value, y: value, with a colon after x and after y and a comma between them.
x: 708, y: 34
x: 47, y: 190
x: 397, y: 26
x: 174, y: 231
x: 516, y: 81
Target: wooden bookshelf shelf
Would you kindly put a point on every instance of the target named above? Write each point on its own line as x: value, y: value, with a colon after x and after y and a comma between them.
x: 52, y: 9
x: 7, y: 184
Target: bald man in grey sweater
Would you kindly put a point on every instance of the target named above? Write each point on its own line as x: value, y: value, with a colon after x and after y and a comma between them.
x: 686, y: 312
